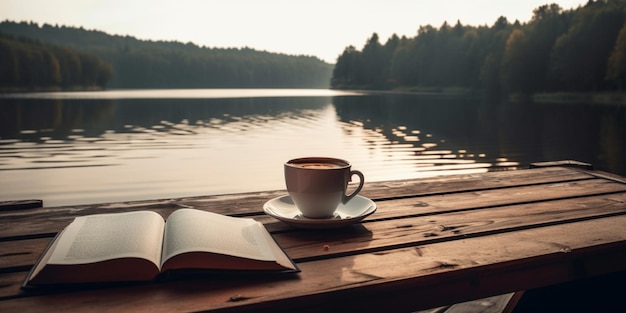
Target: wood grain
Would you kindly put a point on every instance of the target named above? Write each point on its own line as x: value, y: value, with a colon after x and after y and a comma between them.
x: 457, y: 217
x: 46, y: 222
x: 433, y: 242
x: 462, y: 269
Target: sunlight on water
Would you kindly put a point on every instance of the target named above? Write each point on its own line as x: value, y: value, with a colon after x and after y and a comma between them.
x: 133, y: 145
x: 226, y: 154
x: 181, y: 94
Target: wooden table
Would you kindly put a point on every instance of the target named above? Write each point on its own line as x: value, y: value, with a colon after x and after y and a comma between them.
x: 432, y: 242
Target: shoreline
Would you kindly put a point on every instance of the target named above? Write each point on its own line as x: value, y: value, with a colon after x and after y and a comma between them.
x: 606, y: 98
x: 615, y: 98
x: 6, y: 90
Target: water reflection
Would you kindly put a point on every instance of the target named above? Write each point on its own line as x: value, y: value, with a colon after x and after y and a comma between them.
x: 424, y: 126
x: 101, y: 150
x: 68, y: 152
x: 505, y: 135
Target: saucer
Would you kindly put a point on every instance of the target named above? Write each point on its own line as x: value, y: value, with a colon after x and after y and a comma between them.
x: 282, y: 208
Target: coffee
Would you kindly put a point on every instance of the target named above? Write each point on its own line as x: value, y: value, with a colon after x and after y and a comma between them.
x: 318, y: 185
x: 318, y: 165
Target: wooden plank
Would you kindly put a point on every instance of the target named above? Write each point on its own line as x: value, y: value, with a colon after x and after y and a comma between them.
x: 380, y: 235
x: 472, y: 182
x: 512, y: 304
x: 423, y: 208
x: 247, y: 203
x: 564, y: 163
x: 49, y: 221
x: 484, y: 195
x: 417, y: 223
x: 20, y: 255
x: 609, y: 176
x: 375, y: 236
x: 410, y: 278
x: 10, y: 285
x: 495, y: 304
x: 428, y: 205
x: 20, y: 205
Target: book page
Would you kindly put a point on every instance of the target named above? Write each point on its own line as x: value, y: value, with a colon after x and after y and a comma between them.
x: 189, y: 230
x: 102, y: 237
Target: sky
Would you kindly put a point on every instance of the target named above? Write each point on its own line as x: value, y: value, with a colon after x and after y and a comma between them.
x: 320, y: 28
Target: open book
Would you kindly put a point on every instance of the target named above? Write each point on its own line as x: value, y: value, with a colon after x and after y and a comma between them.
x: 138, y: 246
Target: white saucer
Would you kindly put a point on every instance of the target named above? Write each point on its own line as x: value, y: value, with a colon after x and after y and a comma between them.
x: 283, y: 208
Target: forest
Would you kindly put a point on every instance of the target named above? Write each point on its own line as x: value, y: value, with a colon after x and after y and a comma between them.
x: 45, y: 57
x: 582, y: 49
x: 30, y: 64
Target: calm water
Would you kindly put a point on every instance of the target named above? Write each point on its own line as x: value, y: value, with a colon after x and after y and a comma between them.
x: 92, y: 147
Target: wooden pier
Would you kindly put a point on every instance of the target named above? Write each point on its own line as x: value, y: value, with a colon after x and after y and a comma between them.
x: 432, y: 243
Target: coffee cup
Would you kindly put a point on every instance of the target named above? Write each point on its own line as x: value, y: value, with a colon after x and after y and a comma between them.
x: 317, y: 185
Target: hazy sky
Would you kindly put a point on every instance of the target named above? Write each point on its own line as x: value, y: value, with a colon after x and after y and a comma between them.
x: 322, y: 28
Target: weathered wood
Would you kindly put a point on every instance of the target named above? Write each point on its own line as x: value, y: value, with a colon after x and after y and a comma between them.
x: 429, y: 205
x: 401, y: 232
x: 20, y: 255
x: 411, y: 278
x: 48, y: 221
x: 446, y: 227
x: 10, y: 285
x: 564, y: 163
x: 512, y: 303
x: 414, y: 231
x: 495, y: 304
x: 23, y: 253
x: 432, y: 243
x: 247, y: 203
x: 412, y: 228
x: 20, y: 205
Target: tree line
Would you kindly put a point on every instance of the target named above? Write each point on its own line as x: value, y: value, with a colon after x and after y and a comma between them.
x: 582, y: 49
x: 168, y: 64
x: 32, y: 65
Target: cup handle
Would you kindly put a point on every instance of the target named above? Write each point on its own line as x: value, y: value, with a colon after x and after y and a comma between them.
x: 347, y: 198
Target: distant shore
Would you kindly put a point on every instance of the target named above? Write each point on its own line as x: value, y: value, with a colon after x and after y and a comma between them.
x: 614, y: 97
x: 49, y: 89
x: 581, y: 97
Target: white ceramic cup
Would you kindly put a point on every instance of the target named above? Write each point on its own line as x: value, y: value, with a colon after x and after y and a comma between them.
x: 317, y: 185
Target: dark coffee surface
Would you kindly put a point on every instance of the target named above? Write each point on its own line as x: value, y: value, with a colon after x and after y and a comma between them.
x: 318, y: 165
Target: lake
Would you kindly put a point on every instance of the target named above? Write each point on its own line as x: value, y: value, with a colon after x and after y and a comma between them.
x: 70, y: 148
